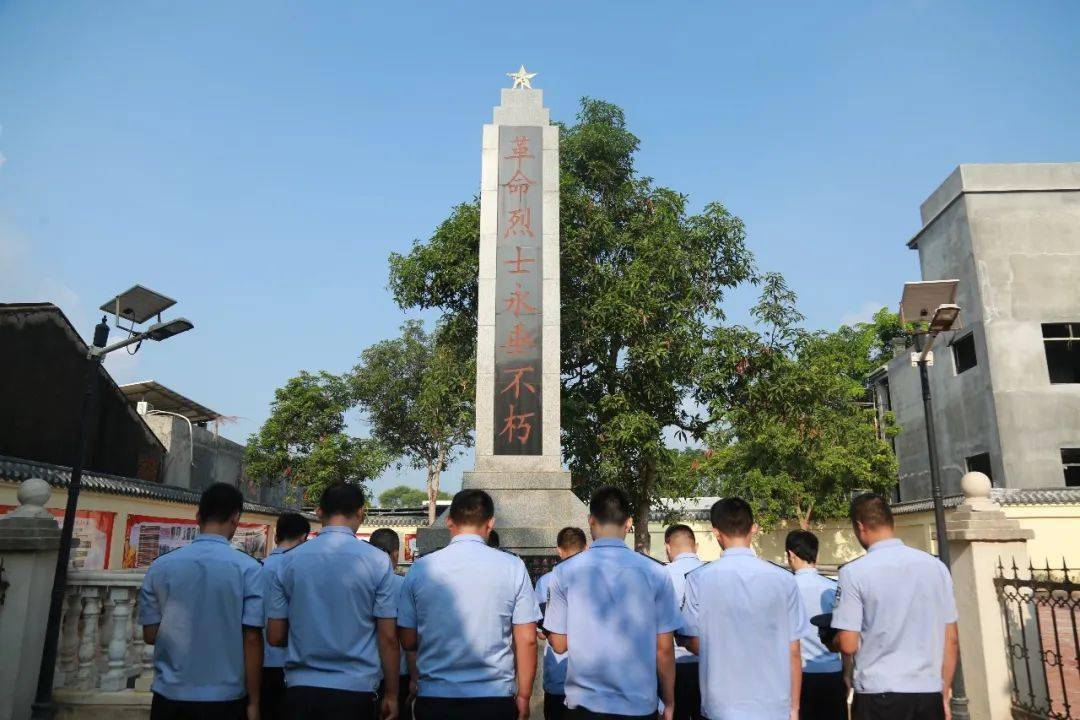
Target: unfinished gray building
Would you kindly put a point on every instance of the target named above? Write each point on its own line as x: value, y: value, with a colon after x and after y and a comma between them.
x: 1006, y: 384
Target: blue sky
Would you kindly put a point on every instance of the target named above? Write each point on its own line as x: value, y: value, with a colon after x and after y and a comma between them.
x: 259, y: 160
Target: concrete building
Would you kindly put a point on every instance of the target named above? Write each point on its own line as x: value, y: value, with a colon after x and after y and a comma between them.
x: 1006, y: 384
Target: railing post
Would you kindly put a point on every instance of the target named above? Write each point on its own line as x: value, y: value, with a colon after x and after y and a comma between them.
x: 146, y: 676
x: 69, y: 639
x: 979, y: 536
x: 115, y: 678
x: 87, y: 675
x: 105, y: 621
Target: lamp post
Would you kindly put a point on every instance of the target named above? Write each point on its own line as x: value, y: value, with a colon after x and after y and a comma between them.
x: 915, y: 306
x: 136, y: 305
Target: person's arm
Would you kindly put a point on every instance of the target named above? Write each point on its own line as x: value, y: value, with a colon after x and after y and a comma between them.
x: 948, y: 663
x: 847, y: 663
x: 406, y: 613
x: 795, y: 658
x: 847, y: 642
x: 389, y: 654
x: 693, y: 644
x: 414, y: 673
x: 277, y: 612
x: 409, y: 639
x: 555, y: 614
x: 253, y: 663
x: 277, y: 632
x: 847, y: 617
x: 149, y: 634
x: 149, y: 607
x: 524, y: 665
x: 665, y: 668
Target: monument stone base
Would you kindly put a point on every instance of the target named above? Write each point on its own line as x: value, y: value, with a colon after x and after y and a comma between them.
x: 530, y: 509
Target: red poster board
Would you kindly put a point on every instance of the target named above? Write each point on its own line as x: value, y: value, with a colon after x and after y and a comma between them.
x: 91, y: 539
x: 410, y: 546
x: 148, y: 537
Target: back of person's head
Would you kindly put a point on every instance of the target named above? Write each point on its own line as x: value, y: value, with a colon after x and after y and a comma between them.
x: 219, y: 503
x: 732, y: 517
x: 871, y: 511
x: 610, y: 506
x: 803, y: 544
x: 571, y: 539
x: 291, y: 526
x: 386, y: 540
x: 341, y: 499
x: 679, y: 535
x: 471, y: 508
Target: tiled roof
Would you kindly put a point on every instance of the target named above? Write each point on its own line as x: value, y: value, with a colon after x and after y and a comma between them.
x: 17, y: 470
x: 1036, y: 496
x: 374, y: 518
x: 914, y: 506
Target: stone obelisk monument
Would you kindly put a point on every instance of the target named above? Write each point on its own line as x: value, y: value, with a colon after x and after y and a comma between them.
x: 518, y: 449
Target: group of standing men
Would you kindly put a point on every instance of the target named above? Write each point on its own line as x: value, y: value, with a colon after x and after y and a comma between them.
x: 456, y: 638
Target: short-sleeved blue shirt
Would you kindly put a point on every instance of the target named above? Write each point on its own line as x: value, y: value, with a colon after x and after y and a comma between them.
x: 554, y: 663
x: 818, y: 594
x: 201, y: 596
x: 399, y: 585
x: 678, y: 569
x: 331, y: 589
x: 611, y: 603
x: 745, y: 613
x: 900, y: 599
x: 273, y: 657
x: 463, y: 602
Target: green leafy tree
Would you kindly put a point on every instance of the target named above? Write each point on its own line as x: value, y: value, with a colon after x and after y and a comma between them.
x: 797, y: 434
x: 417, y: 393
x: 305, y: 440
x: 643, y: 279
x: 402, y: 496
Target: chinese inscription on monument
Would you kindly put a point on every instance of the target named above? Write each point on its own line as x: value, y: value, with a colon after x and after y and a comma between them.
x: 518, y: 293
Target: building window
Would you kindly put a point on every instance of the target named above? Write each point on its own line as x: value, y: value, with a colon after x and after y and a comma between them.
x: 963, y: 352
x: 1070, y: 461
x: 981, y: 463
x: 1062, y: 341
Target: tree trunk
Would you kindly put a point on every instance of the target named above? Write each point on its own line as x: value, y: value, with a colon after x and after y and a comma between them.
x: 434, y: 474
x: 642, y: 539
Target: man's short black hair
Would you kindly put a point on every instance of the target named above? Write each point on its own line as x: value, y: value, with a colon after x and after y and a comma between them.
x: 571, y: 538
x: 803, y: 543
x: 471, y: 508
x: 871, y: 510
x: 291, y: 526
x: 341, y: 499
x: 677, y: 531
x: 610, y: 505
x: 220, y: 502
x: 386, y: 540
x: 732, y: 516
x: 493, y: 539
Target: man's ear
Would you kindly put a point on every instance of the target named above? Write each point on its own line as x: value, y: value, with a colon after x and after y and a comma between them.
x: 234, y: 519
x: 628, y: 524
x: 489, y: 525
x: 754, y: 530
x: 716, y: 536
x: 319, y: 513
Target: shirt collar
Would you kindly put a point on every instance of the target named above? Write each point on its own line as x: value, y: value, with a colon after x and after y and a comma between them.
x: 210, y: 537
x: 891, y: 542
x: 807, y: 571
x: 467, y: 537
x: 685, y: 556
x: 277, y: 551
x: 609, y: 542
x: 337, y: 529
x: 739, y: 552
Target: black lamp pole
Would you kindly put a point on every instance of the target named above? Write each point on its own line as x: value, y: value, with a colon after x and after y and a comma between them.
x: 43, y: 707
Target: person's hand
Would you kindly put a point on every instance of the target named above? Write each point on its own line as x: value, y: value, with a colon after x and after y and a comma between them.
x: 523, y: 708
x: 414, y: 687
x: 947, y: 698
x: 388, y: 709
x: 668, y: 712
x: 252, y: 711
x: 794, y: 714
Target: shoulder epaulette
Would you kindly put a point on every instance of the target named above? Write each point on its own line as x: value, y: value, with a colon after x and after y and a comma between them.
x: 658, y: 562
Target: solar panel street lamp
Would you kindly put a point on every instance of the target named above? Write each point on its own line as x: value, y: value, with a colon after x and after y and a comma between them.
x: 931, y: 304
x: 135, y: 307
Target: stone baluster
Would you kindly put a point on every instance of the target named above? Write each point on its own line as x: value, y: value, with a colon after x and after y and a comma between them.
x: 105, y: 623
x: 135, y: 647
x: 69, y: 639
x: 115, y: 677
x: 87, y: 674
x: 146, y: 675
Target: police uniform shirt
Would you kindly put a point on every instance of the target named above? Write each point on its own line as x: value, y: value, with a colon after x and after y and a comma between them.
x: 554, y: 663
x: 399, y: 584
x: 332, y: 589
x: 900, y: 599
x: 682, y: 564
x: 463, y: 602
x: 745, y: 613
x: 273, y: 657
x: 201, y: 596
x: 611, y: 603
x: 818, y: 595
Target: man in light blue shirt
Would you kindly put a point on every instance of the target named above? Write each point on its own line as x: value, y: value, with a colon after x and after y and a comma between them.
x: 613, y: 611
x: 896, y: 614
x: 568, y: 543
x: 743, y: 617
x: 824, y: 692
x: 469, y: 612
x: 387, y: 540
x: 201, y: 607
x: 291, y: 530
x: 680, y: 544
x: 333, y: 604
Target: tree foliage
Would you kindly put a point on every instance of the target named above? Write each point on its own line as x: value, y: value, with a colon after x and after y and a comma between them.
x: 796, y: 433
x: 642, y: 280
x: 416, y: 391
x: 403, y: 496
x: 305, y: 440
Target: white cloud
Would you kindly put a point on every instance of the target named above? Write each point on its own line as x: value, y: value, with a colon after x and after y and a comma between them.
x: 864, y: 313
